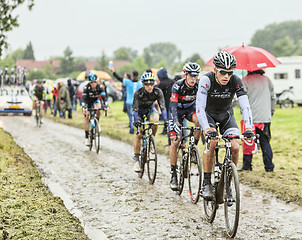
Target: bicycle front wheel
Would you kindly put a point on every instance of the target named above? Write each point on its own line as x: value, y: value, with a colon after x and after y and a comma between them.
x: 91, y: 136
x: 210, y: 206
x: 142, y: 159
x: 152, y: 159
x: 231, y: 200
x: 97, y: 138
x: 181, y: 165
x: 194, y: 174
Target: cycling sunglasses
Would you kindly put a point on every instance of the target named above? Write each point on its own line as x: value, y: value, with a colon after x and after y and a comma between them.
x: 149, y: 84
x: 224, y: 72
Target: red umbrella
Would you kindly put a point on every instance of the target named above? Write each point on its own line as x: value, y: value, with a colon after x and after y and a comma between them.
x: 250, y: 58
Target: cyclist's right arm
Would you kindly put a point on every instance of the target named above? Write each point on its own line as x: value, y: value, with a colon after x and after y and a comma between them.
x: 201, y: 102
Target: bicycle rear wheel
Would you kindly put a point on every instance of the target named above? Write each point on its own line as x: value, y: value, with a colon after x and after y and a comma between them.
x: 97, y: 138
x: 152, y: 159
x: 231, y: 200
x: 142, y: 159
x: 194, y: 174
x: 210, y: 207
x: 181, y: 161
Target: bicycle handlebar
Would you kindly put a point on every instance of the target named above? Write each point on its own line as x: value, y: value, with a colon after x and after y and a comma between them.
x: 230, y: 137
x: 148, y: 123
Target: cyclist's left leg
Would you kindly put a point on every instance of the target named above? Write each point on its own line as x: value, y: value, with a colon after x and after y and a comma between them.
x: 97, y: 104
x: 197, y: 133
x: 154, y: 117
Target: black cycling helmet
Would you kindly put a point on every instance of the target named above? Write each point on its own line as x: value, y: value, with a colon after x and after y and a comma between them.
x: 224, y: 60
x: 92, y: 77
x: 191, y: 68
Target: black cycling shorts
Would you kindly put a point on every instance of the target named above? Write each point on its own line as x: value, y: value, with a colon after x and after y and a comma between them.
x: 226, y: 120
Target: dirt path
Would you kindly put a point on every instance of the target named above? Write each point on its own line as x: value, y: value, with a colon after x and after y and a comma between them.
x: 111, y: 202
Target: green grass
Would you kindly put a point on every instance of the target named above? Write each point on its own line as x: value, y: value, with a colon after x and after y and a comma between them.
x: 286, y: 128
x: 28, y: 209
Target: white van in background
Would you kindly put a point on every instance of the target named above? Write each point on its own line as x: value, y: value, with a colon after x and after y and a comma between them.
x: 287, y: 74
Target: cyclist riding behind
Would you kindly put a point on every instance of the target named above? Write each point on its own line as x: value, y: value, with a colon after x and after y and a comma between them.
x: 216, y: 91
x: 143, y: 104
x: 90, y: 99
x: 182, y: 103
x: 38, y: 95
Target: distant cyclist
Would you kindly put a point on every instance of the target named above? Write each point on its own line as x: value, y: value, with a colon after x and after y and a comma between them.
x: 90, y: 99
x: 143, y: 104
x: 182, y: 103
x: 216, y: 91
x: 38, y: 94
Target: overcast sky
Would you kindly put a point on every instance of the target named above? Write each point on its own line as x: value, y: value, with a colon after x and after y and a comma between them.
x: 194, y: 26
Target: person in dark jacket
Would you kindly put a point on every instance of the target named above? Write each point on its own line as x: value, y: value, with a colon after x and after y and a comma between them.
x: 165, y: 85
x: 71, y: 95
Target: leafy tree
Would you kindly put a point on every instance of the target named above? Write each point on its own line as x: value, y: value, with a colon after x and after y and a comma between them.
x: 266, y: 38
x: 36, y: 74
x: 8, y: 21
x: 138, y: 65
x: 103, y: 62
x: 161, y: 64
x: 161, y: 51
x: 79, y: 64
x: 196, y: 58
x: 8, y: 61
x: 18, y: 54
x: 29, y: 52
x: 67, y: 63
x: 284, y: 47
x: 122, y: 54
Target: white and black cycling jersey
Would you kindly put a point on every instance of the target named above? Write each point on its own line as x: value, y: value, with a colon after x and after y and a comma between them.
x: 213, y: 97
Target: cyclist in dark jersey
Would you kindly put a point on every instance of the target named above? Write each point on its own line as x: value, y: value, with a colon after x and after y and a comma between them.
x: 90, y: 99
x: 216, y: 91
x: 38, y: 95
x: 182, y: 103
x: 143, y: 104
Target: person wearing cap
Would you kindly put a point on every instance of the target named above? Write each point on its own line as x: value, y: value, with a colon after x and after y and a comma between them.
x: 182, y: 103
x: 143, y: 105
x: 215, y: 94
x: 132, y: 84
x: 165, y: 84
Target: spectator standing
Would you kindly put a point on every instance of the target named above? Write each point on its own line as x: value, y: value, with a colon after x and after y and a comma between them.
x: 165, y: 84
x: 71, y: 91
x: 131, y: 86
x: 55, y: 93
x: 260, y: 91
x: 63, y: 100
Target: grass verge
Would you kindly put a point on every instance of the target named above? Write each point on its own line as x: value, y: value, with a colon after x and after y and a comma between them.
x: 28, y: 209
x: 285, y: 182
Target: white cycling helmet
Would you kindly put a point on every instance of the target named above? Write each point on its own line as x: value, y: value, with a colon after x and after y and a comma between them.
x: 224, y: 60
x: 191, y: 68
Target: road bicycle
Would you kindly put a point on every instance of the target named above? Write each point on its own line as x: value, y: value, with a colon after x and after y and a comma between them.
x: 94, y: 130
x: 225, y: 184
x: 189, y: 163
x: 148, y: 151
x: 38, y: 115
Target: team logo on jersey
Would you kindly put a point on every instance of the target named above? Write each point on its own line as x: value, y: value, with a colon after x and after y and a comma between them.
x: 237, y: 86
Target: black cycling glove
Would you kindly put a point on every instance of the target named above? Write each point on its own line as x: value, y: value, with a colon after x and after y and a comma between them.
x: 248, y: 134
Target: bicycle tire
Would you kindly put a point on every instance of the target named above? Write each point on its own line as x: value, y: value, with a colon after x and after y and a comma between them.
x: 194, y: 174
x: 97, y: 138
x: 231, y: 207
x: 90, y: 136
x: 181, y: 161
x: 142, y: 159
x: 152, y: 159
x: 210, y: 207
